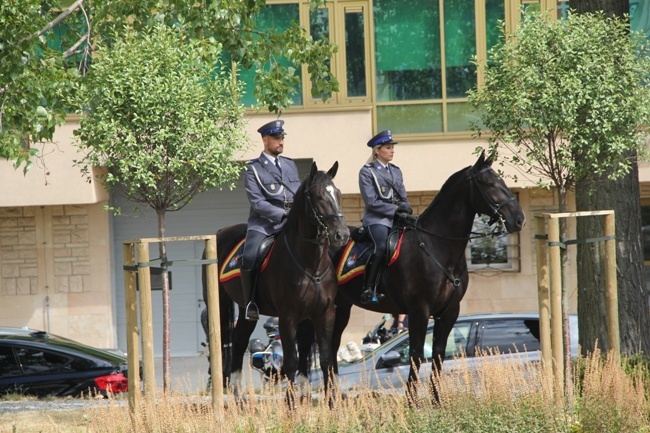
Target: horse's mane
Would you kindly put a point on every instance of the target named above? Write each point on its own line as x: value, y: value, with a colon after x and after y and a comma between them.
x: 442, y: 196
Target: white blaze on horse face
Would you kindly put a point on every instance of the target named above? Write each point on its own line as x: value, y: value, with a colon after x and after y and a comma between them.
x: 332, y: 191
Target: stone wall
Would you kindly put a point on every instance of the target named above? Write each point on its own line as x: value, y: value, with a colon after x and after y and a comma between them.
x: 55, y: 271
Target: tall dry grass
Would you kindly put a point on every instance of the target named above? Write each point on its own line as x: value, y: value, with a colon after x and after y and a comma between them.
x: 501, y: 397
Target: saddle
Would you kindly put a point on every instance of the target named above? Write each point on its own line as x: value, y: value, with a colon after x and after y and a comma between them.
x: 232, y: 265
x: 355, y: 254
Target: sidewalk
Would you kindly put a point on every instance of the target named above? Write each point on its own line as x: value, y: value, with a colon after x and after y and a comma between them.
x: 190, y: 374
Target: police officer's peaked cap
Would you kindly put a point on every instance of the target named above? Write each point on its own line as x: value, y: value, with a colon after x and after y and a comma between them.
x: 272, y: 128
x: 383, y: 137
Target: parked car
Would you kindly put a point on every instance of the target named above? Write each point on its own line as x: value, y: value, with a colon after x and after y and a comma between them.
x: 41, y: 364
x: 513, y: 336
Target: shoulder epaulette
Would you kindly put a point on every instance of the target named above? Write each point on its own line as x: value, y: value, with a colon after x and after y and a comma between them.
x: 393, y: 165
x: 285, y: 157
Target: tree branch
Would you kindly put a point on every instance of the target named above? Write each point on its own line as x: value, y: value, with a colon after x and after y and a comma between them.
x: 59, y: 18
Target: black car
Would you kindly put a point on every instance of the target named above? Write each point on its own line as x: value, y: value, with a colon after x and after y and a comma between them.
x: 40, y: 364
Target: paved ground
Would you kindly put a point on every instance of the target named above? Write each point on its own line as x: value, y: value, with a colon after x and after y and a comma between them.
x: 190, y: 374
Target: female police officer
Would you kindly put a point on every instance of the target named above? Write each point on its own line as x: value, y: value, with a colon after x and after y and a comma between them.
x: 382, y: 189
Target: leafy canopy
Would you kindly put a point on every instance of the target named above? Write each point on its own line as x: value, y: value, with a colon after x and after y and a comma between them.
x: 566, y: 99
x: 45, y: 50
x: 162, y: 116
x: 34, y: 80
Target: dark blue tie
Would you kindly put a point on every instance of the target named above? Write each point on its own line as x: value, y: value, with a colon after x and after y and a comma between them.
x: 277, y: 165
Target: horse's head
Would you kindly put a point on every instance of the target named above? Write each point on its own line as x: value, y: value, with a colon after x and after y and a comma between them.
x: 324, y: 203
x: 491, y: 196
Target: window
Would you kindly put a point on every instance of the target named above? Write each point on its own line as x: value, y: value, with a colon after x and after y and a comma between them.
x: 489, y: 250
x: 346, y: 24
x: 277, y: 17
x: 510, y: 335
x: 424, y: 51
x: 456, y: 343
x: 8, y: 365
x: 640, y: 16
x: 36, y: 361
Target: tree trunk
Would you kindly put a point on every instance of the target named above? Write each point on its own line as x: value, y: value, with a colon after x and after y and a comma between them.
x: 165, y: 303
x: 623, y: 197
x: 634, y: 319
x: 564, y: 258
x: 612, y: 8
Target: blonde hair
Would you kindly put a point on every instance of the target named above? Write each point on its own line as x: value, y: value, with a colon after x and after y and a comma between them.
x: 373, y: 155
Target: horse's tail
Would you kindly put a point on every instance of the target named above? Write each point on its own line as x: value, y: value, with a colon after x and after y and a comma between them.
x: 227, y: 310
x: 227, y: 320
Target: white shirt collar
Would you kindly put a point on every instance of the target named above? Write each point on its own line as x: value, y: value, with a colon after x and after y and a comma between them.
x: 270, y: 157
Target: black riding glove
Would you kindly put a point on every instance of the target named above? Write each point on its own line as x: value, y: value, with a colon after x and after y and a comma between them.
x: 404, y: 219
x: 404, y: 208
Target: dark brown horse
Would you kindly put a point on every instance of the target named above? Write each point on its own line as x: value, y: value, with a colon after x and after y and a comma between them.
x: 296, y: 283
x: 429, y: 278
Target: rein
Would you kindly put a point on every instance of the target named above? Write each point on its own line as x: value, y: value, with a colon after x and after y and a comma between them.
x: 495, y: 207
x: 317, y: 219
x: 322, y: 237
x: 494, y: 218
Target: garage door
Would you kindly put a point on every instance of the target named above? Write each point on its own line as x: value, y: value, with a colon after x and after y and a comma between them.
x: 207, y: 213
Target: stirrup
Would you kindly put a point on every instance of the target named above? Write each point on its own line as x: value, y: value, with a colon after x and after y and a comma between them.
x: 252, y: 313
x: 370, y: 296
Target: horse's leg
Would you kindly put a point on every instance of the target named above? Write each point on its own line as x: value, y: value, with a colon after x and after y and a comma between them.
x: 341, y: 319
x: 418, y: 320
x: 305, y: 341
x: 240, y: 337
x: 324, y: 329
x: 287, y: 327
x: 441, y: 330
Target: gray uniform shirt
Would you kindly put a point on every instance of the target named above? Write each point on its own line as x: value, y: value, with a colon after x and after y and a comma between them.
x: 268, y: 197
x: 382, y: 191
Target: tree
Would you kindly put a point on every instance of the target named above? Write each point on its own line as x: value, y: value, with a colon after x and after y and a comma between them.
x: 35, y: 76
x: 563, y: 99
x: 621, y: 195
x: 162, y: 116
x: 39, y: 67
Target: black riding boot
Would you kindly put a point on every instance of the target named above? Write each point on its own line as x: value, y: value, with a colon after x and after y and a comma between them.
x: 247, y: 283
x: 371, y: 278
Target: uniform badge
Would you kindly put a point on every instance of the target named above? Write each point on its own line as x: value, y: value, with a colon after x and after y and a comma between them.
x: 272, y: 187
x: 383, y: 190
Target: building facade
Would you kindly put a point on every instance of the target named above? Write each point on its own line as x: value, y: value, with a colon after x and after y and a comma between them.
x: 404, y: 66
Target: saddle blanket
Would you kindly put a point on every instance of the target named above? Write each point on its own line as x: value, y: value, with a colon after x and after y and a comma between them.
x: 232, y: 264
x: 355, y: 256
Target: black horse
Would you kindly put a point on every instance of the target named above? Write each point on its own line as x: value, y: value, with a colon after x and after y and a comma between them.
x: 297, y: 281
x: 429, y: 277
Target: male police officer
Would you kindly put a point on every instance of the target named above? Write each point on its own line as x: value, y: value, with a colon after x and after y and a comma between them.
x: 271, y: 182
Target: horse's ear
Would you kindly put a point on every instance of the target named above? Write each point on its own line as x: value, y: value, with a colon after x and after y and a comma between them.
x: 490, y: 159
x: 481, y: 160
x: 314, y: 169
x: 332, y: 171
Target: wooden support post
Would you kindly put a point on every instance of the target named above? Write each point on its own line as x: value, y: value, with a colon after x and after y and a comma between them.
x: 214, y: 324
x: 556, y: 308
x: 146, y: 321
x: 543, y: 297
x: 132, y: 334
x: 611, y: 287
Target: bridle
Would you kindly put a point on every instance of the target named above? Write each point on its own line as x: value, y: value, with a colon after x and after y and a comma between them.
x: 495, y: 208
x: 495, y: 216
x: 318, y: 219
